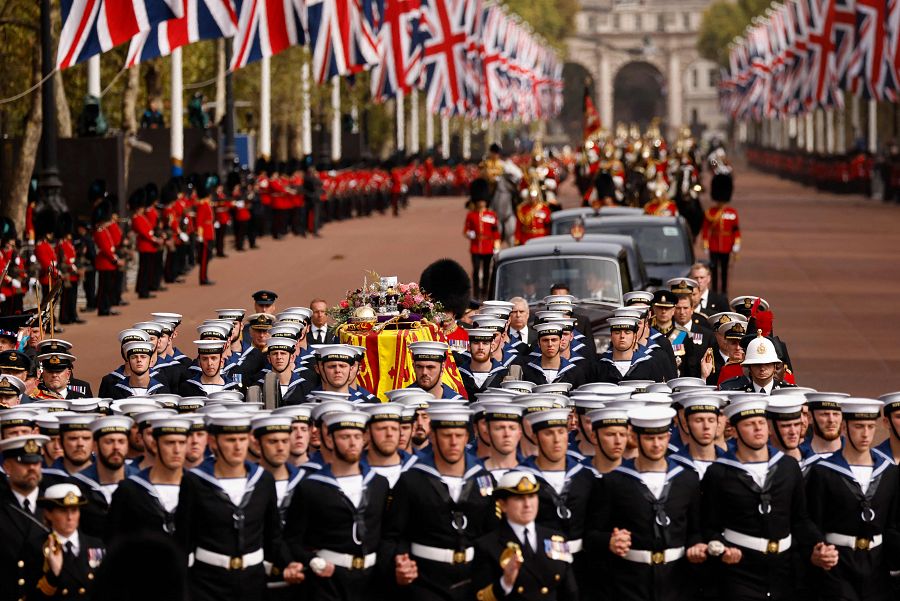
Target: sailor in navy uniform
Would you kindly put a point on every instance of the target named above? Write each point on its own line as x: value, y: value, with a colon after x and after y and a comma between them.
x: 71, y: 557
x: 227, y: 518
x: 854, y: 499
x: 17, y: 420
x: 754, y: 511
x: 216, y: 330
x: 626, y: 359
x: 21, y: 526
x: 335, y: 370
x: 146, y: 501
x: 210, y: 379
x: 482, y: 371
x: 657, y: 344
x: 647, y: 516
x: 252, y: 360
x: 120, y: 374
x: 319, y: 431
x: 582, y: 332
x: 384, y: 455
x: 551, y: 367
x: 428, y: 359
x: 140, y: 382
x: 826, y: 418
x: 236, y: 317
x: 334, y: 521
x: 522, y: 559
x: 440, y: 506
x: 610, y: 428
x: 280, y: 377
x: 566, y: 483
x: 890, y: 448
x: 785, y: 415
x: 701, y: 421
x: 503, y: 428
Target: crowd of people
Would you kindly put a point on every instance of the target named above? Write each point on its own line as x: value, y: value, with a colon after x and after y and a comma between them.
x: 680, y: 462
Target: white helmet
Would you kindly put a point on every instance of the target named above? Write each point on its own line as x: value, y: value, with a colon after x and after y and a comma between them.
x: 760, y: 351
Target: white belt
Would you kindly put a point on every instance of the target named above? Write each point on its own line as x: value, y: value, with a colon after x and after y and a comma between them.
x: 654, y: 558
x: 226, y: 562
x: 442, y: 555
x: 348, y: 561
x: 858, y: 543
x: 755, y: 543
x: 575, y: 546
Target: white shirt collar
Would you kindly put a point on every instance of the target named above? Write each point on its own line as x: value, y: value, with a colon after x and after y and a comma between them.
x: 76, y: 544
x: 519, y: 531
x: 767, y: 388
x: 32, y: 499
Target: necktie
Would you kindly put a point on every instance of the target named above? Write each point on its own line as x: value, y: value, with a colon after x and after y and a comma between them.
x: 517, y: 336
x: 320, y: 336
x: 69, y: 548
x: 26, y: 505
x: 527, y: 540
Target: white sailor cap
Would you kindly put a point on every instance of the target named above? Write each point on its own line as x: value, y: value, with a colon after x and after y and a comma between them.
x: 70, y: 421
x: 272, y: 423
x: 500, y: 304
x: 519, y: 386
x: 442, y: 417
x: 288, y: 345
x: 327, y: 407
x: 548, y: 329
x: 623, y: 323
x: 651, y: 419
x: 784, y: 408
x: 608, y: 416
x: 286, y: 329
x: 132, y: 335
x: 138, y: 347
x: 50, y: 405
x: 144, y: 419
x: 637, y: 297
x: 657, y: 399
x: 684, y: 382
x: 497, y: 395
x: 489, y: 322
x: 499, y: 312
x: 385, y: 412
x: 633, y: 312
x: 17, y: 416
x: 132, y: 406
x: 336, y: 352
x: 151, y: 327
x: 891, y: 402
x: 549, y: 315
x: 210, y: 347
x: 856, y: 408
x: 346, y: 420
x: 549, y: 418
x: 11, y: 385
x: 48, y: 424
x: 701, y: 403
x: 826, y: 401
x: 428, y: 350
x: 408, y: 414
x: 214, y: 330
x: 228, y: 422
x: 304, y: 311
x: 747, y: 407
x: 172, y: 318
x: 227, y: 395
x: 294, y: 317
x: 111, y: 424
x: 559, y: 299
x: 87, y: 405
x: 502, y: 411
x: 481, y: 334
x: 533, y: 403
x: 231, y: 314
x: 167, y: 400
x: 399, y: 393
x: 420, y: 401
x: 585, y: 402
x: 171, y: 425
x: 329, y: 395
x: 560, y: 388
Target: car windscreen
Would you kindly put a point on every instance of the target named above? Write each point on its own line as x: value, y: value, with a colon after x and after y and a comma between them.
x: 660, y: 244
x: 589, y: 278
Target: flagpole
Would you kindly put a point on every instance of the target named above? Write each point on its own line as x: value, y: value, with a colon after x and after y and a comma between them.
x: 305, y: 115
x: 93, y: 76
x: 265, y: 107
x: 466, y: 140
x: 414, y: 121
x: 228, y: 122
x: 335, y: 119
x: 810, y: 134
x: 873, y: 126
x: 400, y: 115
x: 429, y: 131
x: 176, y: 129
x: 445, y: 136
x: 829, y: 131
x: 841, y: 130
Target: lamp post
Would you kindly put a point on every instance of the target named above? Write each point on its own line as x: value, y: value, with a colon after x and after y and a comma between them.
x: 49, y: 184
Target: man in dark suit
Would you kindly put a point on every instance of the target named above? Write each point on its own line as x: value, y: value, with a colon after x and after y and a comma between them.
x: 708, y: 302
x: 520, y: 559
x: 319, y: 330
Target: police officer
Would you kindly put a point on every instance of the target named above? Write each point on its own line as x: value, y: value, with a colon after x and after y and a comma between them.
x: 428, y: 364
x: 227, y: 517
x: 440, y: 506
x: 71, y: 556
x: 21, y: 526
x: 647, y: 514
x: 853, y: 499
x: 334, y: 521
x: 754, y: 511
x: 522, y: 559
x: 146, y: 500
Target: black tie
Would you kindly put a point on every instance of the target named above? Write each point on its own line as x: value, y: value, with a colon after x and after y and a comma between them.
x: 69, y: 549
x: 320, y: 336
x: 26, y: 505
x: 527, y: 541
x: 517, y: 336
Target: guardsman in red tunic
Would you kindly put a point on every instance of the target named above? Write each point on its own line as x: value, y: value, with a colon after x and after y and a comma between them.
x: 45, y: 251
x: 66, y: 257
x: 298, y: 207
x: 11, y: 270
x: 118, y: 240
x: 171, y: 216
x: 223, y: 218
x: 721, y: 231
x: 205, y: 228
x: 533, y: 215
x: 106, y: 263
x: 483, y: 231
x: 147, y: 243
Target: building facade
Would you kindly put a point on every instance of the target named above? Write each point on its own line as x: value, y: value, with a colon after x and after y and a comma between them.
x: 642, y: 56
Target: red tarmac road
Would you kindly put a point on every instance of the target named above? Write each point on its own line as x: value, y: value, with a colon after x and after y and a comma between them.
x: 825, y: 262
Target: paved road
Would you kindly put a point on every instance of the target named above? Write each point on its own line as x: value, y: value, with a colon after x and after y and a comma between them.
x: 826, y: 263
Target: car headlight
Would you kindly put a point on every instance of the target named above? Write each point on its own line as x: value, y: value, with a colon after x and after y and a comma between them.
x: 601, y: 342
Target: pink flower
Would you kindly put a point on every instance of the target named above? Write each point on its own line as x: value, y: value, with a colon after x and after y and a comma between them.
x: 403, y: 288
x: 345, y: 304
x: 418, y: 298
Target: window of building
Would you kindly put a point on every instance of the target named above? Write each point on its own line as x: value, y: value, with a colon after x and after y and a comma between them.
x: 695, y: 78
x: 617, y: 21
x: 660, y: 22
x: 592, y: 24
x: 713, y: 77
x: 638, y: 22
x: 686, y: 20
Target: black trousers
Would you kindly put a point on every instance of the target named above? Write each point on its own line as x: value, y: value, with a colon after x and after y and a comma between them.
x: 146, y: 265
x: 203, y: 257
x: 718, y: 265
x: 241, y: 233
x: 220, y: 240
x: 156, y: 282
x: 106, y: 283
x: 89, y: 283
x: 68, y: 303
x: 481, y: 272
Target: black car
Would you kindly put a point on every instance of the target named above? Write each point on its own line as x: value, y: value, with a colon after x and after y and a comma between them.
x: 561, y: 221
x: 598, y: 274
x: 665, y: 242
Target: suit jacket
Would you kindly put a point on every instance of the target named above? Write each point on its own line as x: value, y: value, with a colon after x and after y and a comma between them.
x: 715, y: 303
x: 77, y: 577
x: 540, y: 576
x: 21, y: 534
x: 330, y: 336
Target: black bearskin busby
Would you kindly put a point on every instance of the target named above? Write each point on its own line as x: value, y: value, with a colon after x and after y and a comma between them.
x: 722, y: 187
x: 448, y: 282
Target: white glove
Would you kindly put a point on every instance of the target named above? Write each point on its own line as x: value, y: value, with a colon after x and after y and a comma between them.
x: 184, y: 237
x: 16, y: 283
x: 736, y: 248
x: 470, y: 234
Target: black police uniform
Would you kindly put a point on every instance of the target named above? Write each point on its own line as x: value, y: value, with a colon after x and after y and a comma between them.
x: 732, y: 500
x: 422, y: 512
x: 671, y: 521
x: 870, y: 519
x: 320, y: 516
x: 541, y: 575
x: 207, y: 520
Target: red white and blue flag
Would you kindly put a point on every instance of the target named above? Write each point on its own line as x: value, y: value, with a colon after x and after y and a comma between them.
x: 203, y: 20
x: 400, y: 49
x: 91, y: 27
x: 265, y: 28
x: 343, y: 35
x: 444, y: 40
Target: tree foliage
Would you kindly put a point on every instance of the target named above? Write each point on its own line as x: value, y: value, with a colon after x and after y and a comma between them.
x: 722, y: 22
x: 551, y: 19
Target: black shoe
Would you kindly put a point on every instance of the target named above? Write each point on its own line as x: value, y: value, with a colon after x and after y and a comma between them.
x: 79, y: 320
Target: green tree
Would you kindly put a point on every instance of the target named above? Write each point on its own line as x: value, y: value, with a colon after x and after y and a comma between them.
x: 722, y: 22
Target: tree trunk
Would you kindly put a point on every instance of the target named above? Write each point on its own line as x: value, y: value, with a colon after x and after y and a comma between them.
x: 17, y: 202
x: 63, y: 115
x: 129, y: 114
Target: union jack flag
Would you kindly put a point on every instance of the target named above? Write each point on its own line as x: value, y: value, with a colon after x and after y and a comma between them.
x: 400, y: 54
x: 90, y: 27
x: 202, y: 20
x: 868, y: 75
x: 821, y: 42
x: 444, y: 39
x: 343, y: 35
x: 492, y: 59
x: 265, y: 28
